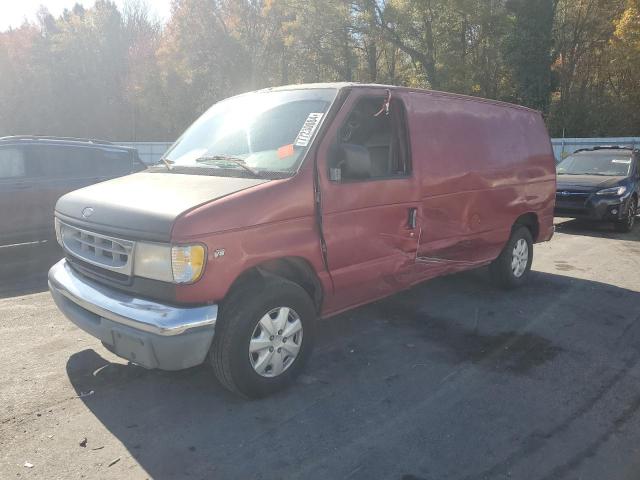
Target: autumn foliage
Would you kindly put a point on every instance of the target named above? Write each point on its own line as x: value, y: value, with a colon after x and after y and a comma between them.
x: 120, y: 74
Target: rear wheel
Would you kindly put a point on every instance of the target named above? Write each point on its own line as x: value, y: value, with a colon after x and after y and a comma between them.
x: 627, y: 224
x: 263, y: 337
x: 511, y: 268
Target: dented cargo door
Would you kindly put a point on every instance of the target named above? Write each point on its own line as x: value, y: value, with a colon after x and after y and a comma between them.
x: 369, y: 199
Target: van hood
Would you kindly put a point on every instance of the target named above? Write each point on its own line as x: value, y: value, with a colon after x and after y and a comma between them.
x: 145, y: 205
x: 588, y: 181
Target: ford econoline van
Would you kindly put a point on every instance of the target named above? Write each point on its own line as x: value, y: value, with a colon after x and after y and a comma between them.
x: 280, y: 207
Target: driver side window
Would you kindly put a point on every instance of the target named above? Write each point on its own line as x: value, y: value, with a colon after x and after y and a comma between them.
x: 373, y: 142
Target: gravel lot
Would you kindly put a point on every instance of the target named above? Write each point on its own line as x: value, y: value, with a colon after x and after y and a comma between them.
x: 453, y: 379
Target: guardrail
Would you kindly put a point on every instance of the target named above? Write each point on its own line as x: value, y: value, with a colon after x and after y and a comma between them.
x: 150, y: 152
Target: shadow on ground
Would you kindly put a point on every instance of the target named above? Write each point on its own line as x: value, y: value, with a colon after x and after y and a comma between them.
x: 596, y: 229
x: 23, y: 268
x: 447, y: 380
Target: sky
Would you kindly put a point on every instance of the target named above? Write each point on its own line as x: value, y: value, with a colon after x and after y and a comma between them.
x: 14, y: 12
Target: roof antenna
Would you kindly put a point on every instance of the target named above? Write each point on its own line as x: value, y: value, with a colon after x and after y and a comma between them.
x: 385, y: 105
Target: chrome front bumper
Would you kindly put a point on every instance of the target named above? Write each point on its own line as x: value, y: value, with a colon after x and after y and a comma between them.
x: 145, y: 332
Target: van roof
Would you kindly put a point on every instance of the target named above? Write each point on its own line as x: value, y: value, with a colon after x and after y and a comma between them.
x: 52, y: 140
x: 343, y: 85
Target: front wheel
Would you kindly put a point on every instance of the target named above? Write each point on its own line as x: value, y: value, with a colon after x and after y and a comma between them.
x: 263, y: 337
x: 512, y: 267
x: 627, y: 224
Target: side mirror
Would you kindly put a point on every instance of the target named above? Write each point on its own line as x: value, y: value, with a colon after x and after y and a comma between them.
x: 353, y: 162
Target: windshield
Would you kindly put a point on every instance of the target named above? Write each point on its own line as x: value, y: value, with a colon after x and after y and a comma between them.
x: 610, y: 163
x: 263, y: 133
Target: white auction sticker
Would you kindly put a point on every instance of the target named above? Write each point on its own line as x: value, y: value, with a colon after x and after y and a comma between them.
x: 307, y: 130
x: 626, y: 161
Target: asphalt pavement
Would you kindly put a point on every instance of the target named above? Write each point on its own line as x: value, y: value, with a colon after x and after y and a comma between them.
x: 453, y: 379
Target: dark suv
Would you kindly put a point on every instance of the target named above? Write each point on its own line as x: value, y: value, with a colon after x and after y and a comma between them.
x: 36, y: 171
x: 601, y: 184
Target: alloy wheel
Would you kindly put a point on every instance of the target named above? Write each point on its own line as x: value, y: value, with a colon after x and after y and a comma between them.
x: 633, y: 211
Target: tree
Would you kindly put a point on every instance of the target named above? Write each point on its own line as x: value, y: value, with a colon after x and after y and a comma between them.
x: 582, y: 31
x: 528, y: 50
x: 625, y: 66
x: 409, y: 25
x: 122, y: 75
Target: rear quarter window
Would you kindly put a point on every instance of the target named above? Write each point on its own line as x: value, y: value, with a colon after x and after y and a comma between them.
x: 57, y: 161
x: 115, y: 162
x: 12, y: 163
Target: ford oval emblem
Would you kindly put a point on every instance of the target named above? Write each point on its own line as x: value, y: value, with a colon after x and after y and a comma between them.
x: 87, y: 212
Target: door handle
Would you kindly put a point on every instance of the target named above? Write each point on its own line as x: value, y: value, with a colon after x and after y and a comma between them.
x: 412, y: 221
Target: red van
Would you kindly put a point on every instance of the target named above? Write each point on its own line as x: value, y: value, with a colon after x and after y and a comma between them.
x: 282, y: 206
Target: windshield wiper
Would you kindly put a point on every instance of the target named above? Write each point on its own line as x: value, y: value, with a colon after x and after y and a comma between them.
x: 228, y: 158
x: 589, y: 173
x: 167, y: 163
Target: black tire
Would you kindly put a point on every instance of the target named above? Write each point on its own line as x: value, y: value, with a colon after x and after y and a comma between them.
x: 626, y: 225
x: 501, y: 269
x: 239, y: 316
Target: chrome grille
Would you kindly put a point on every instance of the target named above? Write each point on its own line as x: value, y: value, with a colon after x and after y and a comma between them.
x: 110, y: 253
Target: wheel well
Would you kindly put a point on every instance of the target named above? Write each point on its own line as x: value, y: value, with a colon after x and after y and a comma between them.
x: 529, y: 220
x: 295, y: 269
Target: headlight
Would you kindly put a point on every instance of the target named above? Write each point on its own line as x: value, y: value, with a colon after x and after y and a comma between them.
x: 175, y: 264
x: 613, y: 191
x: 187, y: 262
x: 153, y: 260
